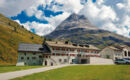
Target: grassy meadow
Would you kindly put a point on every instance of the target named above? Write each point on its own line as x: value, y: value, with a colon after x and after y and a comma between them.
x: 16, y: 68
x: 83, y: 72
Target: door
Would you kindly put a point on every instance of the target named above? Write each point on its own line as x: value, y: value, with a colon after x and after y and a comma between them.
x: 45, y: 62
x: 51, y: 63
x: 83, y: 61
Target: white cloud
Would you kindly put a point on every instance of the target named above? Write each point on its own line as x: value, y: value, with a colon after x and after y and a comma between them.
x: 109, y: 15
x: 40, y: 28
x: 120, y: 5
x: 55, y: 21
x: 70, y: 5
x: 39, y: 14
x: 14, y: 7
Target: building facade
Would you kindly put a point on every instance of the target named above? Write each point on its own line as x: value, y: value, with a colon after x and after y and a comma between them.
x: 55, y: 53
x: 117, y: 52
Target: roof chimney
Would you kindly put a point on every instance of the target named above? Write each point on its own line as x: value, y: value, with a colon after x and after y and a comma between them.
x: 66, y: 42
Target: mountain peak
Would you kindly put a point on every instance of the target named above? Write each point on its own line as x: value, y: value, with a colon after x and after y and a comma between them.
x: 76, y: 17
x: 75, y: 21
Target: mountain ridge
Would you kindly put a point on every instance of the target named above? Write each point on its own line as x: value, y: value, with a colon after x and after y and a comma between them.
x: 78, y: 29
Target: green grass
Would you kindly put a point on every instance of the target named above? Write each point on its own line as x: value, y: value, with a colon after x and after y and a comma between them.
x: 16, y: 68
x: 84, y: 72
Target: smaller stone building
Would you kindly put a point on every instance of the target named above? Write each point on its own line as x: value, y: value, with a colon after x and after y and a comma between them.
x: 116, y: 52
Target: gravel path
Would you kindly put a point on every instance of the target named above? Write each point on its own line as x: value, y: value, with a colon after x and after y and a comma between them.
x: 11, y: 75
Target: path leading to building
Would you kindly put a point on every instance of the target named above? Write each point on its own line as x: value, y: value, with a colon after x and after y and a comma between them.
x: 11, y: 75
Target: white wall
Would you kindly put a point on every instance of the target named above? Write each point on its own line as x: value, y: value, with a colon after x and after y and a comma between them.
x: 31, y: 61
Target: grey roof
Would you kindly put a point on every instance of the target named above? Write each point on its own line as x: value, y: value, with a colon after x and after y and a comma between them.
x: 33, y: 48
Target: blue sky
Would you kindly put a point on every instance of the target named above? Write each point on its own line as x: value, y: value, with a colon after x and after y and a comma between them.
x: 43, y: 16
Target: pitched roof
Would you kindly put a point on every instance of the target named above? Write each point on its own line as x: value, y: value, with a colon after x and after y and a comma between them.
x: 114, y: 48
x: 120, y: 47
x: 33, y: 47
x: 61, y: 44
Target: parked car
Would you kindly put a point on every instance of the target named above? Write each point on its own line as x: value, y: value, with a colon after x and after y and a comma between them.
x: 122, y: 61
x: 127, y: 59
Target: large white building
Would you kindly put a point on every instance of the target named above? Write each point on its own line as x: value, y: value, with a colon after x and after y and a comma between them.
x: 55, y: 53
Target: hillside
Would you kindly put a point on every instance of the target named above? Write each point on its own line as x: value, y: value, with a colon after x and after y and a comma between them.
x: 78, y: 29
x: 11, y: 34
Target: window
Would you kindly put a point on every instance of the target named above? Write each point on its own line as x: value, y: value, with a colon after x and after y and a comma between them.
x: 27, y: 58
x: 73, y: 54
x: 40, y: 56
x: 72, y: 49
x: 34, y: 53
x: 25, y: 54
x: 63, y: 49
x: 79, y: 55
x: 108, y: 56
x: 57, y: 54
x: 33, y: 57
x: 65, y: 60
x: 125, y: 53
x: 70, y: 54
x: 57, y: 49
x: 22, y: 58
x: 73, y: 60
x: 63, y: 54
x: 129, y: 53
x: 60, y: 60
x: 53, y: 54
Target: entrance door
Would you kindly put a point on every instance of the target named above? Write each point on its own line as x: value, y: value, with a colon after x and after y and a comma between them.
x: 83, y: 61
x: 45, y: 62
x: 51, y: 63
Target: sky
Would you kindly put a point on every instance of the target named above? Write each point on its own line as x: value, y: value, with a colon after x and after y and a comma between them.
x: 43, y: 16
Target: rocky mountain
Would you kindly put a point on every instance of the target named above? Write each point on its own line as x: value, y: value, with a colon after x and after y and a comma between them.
x: 11, y: 34
x: 76, y: 21
x: 78, y: 29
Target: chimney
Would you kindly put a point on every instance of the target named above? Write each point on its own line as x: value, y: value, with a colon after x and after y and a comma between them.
x: 74, y: 44
x: 56, y: 42
x: 66, y: 42
x: 87, y: 45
